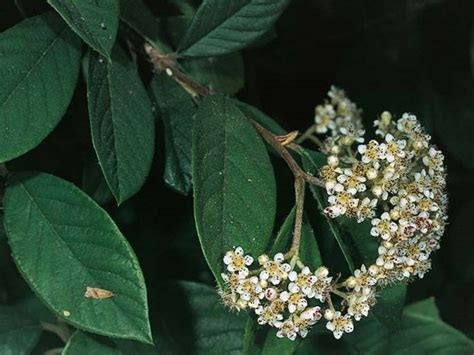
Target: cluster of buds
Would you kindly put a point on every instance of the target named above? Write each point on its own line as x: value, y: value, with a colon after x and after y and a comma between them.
x: 340, y: 119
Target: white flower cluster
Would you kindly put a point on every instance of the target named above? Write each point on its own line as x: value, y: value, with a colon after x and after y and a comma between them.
x: 279, y: 295
x: 398, y: 183
x: 340, y: 119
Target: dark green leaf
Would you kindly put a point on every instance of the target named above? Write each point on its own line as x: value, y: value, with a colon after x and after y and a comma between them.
x: 249, y: 346
x: 63, y: 242
x: 312, y: 161
x: 257, y: 115
x: 186, y: 7
x: 80, y: 343
x: 234, y: 184
x: 282, y: 240
x: 94, y: 184
x: 221, y: 27
x: 224, y: 74
x: 389, y: 307
x: 421, y: 332
x: 281, y: 346
x: 35, y: 309
x: 194, y: 321
x: 326, y: 344
x: 365, y: 243
x: 139, y: 17
x: 454, y: 119
x: 18, y: 333
x: 95, y: 21
x: 309, y: 250
x: 39, y: 66
x: 176, y: 109
x: 122, y: 123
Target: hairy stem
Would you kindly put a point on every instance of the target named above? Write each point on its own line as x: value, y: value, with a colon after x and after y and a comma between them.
x: 167, y: 63
x: 300, y: 187
x: 281, y: 149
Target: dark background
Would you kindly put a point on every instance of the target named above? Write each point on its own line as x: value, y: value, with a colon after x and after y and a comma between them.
x: 397, y: 55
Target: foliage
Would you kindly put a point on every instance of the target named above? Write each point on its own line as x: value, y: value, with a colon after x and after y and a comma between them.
x: 142, y: 140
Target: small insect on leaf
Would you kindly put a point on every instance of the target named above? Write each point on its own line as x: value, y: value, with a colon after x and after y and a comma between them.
x: 97, y: 293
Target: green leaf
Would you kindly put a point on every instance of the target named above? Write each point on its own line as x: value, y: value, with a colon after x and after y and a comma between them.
x: 221, y: 27
x: 421, y: 332
x: 122, y: 123
x: 18, y: 333
x: 281, y: 346
x: 249, y: 340
x: 224, y: 74
x: 139, y: 17
x: 234, y: 184
x: 312, y: 161
x: 39, y: 67
x: 325, y: 343
x: 94, y: 184
x: 81, y: 343
x: 194, y: 321
x: 63, y: 242
x: 35, y: 309
x: 95, y: 21
x: 176, y: 109
x: 309, y: 250
x: 257, y: 115
x: 282, y: 240
x: 455, y: 131
x: 389, y: 307
x: 365, y: 243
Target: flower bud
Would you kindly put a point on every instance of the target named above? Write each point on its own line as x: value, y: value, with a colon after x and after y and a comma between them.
x: 371, y: 174
x: 262, y: 259
x: 335, y: 149
x: 385, y: 118
x: 333, y: 160
x: 377, y: 190
x: 394, y: 214
x: 329, y: 314
x: 373, y: 270
x: 322, y: 272
x: 351, y: 282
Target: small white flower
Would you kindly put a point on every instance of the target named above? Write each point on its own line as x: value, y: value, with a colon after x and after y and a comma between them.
x: 340, y: 325
x: 383, y: 226
x: 287, y: 330
x: 312, y: 314
x: 371, y: 153
x: 237, y: 262
x: 275, y: 271
x: 358, y: 306
x: 324, y: 117
x: 320, y: 286
x: 361, y: 280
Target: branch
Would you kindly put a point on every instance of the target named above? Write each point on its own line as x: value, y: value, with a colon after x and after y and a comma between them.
x: 300, y: 187
x: 285, y: 154
x: 167, y: 63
